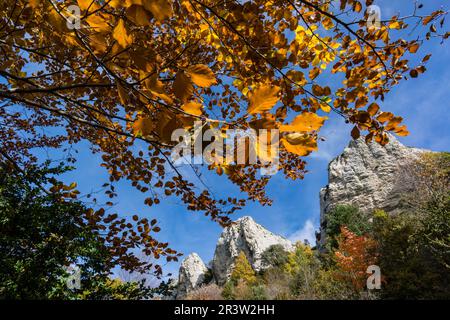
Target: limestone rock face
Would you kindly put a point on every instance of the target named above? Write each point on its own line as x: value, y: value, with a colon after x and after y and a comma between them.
x: 365, y: 175
x: 247, y: 236
x: 191, y: 275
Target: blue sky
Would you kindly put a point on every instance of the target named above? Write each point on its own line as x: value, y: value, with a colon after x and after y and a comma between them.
x: 423, y: 102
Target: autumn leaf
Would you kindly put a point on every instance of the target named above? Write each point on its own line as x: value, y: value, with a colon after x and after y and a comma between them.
x: 123, y: 95
x: 121, y: 35
x: 414, y: 73
x: 394, y: 25
x: 373, y: 109
x: 182, y: 86
x: 138, y: 15
x: 402, y: 131
x: 193, y: 107
x: 201, y: 75
x: 143, y: 126
x: 385, y: 116
x: 153, y: 84
x: 304, y: 122
x: 34, y: 3
x: 161, y: 9
x: 414, y: 47
x: 314, y: 73
x: 98, y: 23
x: 85, y: 4
x: 263, y: 99
x: 357, y: 6
x: 355, y: 133
x: 303, y: 146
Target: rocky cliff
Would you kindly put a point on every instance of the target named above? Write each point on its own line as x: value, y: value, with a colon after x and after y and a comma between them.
x: 191, y: 275
x: 245, y: 235
x: 366, y: 176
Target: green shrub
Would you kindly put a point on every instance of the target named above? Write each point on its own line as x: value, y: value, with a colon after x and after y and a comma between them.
x: 344, y: 215
x: 275, y: 256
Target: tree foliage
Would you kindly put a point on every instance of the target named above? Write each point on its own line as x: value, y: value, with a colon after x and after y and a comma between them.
x: 135, y: 70
x: 344, y: 216
x: 242, y: 270
x: 43, y: 232
x: 353, y: 256
x: 414, y: 245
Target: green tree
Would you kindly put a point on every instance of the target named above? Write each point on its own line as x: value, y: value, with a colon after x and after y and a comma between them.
x: 348, y: 216
x: 415, y: 244
x: 42, y: 232
x: 274, y: 256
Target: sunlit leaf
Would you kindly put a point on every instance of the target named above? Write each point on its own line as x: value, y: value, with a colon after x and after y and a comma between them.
x: 201, y: 75
x: 263, y: 99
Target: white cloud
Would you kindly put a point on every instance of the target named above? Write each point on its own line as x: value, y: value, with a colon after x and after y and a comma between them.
x: 306, y: 232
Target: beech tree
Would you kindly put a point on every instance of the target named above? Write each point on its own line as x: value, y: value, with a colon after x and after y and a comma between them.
x: 123, y: 74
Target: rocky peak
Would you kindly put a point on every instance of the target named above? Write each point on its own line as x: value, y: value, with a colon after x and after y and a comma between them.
x: 191, y: 275
x: 365, y: 175
x: 244, y: 235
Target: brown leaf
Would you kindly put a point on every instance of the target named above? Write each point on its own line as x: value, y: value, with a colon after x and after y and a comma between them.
x: 355, y: 133
x: 161, y: 9
x: 138, y: 15
x: 373, y: 109
x: 182, y: 86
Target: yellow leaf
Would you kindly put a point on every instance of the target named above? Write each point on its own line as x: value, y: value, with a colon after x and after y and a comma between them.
x: 325, y: 107
x: 263, y: 99
x: 116, y: 3
x: 394, y: 25
x: 305, y: 122
x: 201, y: 75
x: 98, y: 23
x: 84, y: 4
x: 57, y: 21
x: 182, y: 86
x: 120, y: 34
x: 193, y: 108
x: 302, y: 148
x: 161, y: 9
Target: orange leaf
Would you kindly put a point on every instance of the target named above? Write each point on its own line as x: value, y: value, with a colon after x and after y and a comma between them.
x: 305, y: 122
x: 263, y: 99
x: 201, y: 75
x: 121, y: 36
